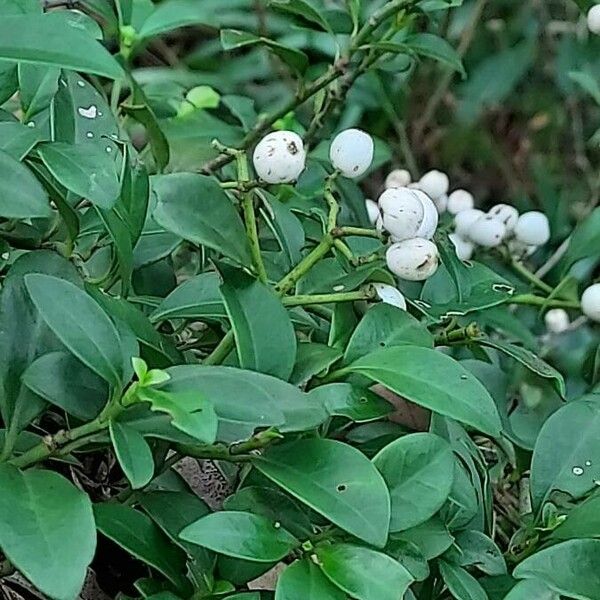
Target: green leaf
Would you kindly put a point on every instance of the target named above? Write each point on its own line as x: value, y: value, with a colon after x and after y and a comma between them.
x: 335, y: 480
x: 355, y: 403
x: 583, y: 521
x: 258, y: 317
x: 528, y: 359
x: 462, y: 585
x: 428, y: 45
x: 172, y: 511
x: 241, y: 535
x: 303, y: 579
x: 17, y: 139
x: 86, y: 171
x: 190, y: 412
x: 231, y: 39
x: 364, y: 573
x: 567, y: 451
x: 433, y: 380
x: 432, y: 537
x: 303, y: 9
x: 587, y: 83
x: 37, y: 87
x: 384, y: 326
x: 24, y: 336
x: 272, y: 402
x: 478, y: 550
x: 64, y: 381
x: 312, y: 359
x: 583, y: 241
x: 46, y: 530
x: 21, y: 194
x: 133, y: 453
x: 139, y: 536
x: 81, y: 325
x: 418, y: 470
x: 571, y: 568
x: 195, y: 208
x: 531, y: 588
x: 51, y: 40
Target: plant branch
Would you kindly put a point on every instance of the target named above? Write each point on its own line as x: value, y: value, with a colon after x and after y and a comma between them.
x: 533, y: 300
x: 532, y: 278
x: 367, y: 293
x: 458, y: 336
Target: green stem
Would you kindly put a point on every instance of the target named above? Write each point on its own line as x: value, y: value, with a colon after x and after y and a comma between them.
x: 533, y: 300
x: 524, y: 272
x: 457, y: 336
x: 250, y: 218
x: 308, y: 299
x: 357, y: 231
x: 221, y: 351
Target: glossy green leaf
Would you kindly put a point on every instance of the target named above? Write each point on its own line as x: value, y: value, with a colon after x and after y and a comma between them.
x: 303, y: 579
x: 312, y: 359
x: 241, y: 535
x: 138, y: 535
x: 37, y: 86
x: 431, y: 537
x: 304, y: 9
x: 571, y: 568
x: 195, y: 208
x: 51, y: 40
x: 383, y: 326
x: 433, y: 380
x: 418, y: 470
x: 257, y: 317
x: 364, y: 573
x: 91, y: 336
x: 585, y: 238
x: 567, y: 451
x: 21, y: 194
x: 355, y: 403
x: 17, y: 139
x: 190, y: 412
x: 64, y: 381
x: 335, y: 480
x: 478, y: 550
x: 133, y: 453
x: 531, y: 588
x: 462, y: 585
x: 583, y: 521
x: 46, y: 530
x: 86, y: 171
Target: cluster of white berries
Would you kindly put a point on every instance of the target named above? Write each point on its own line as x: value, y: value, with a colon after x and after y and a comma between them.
x: 593, y: 19
x: 280, y: 156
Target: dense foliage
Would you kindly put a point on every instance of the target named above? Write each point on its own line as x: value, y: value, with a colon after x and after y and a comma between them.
x: 396, y: 399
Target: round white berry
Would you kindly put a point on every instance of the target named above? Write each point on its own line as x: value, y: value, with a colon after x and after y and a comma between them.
x: 390, y: 295
x: 398, y: 178
x: 430, y: 216
x: 434, y: 183
x: 487, y: 232
x: 464, y: 220
x: 460, y: 200
x: 506, y: 213
x: 279, y: 157
x: 414, y: 260
x: 557, y: 320
x: 403, y: 212
x: 464, y: 248
x: 373, y: 211
x: 351, y: 152
x: 533, y: 228
x: 590, y: 302
x: 441, y: 203
x: 593, y: 19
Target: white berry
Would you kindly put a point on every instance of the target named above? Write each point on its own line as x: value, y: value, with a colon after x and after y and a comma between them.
x: 590, y: 302
x: 441, y: 203
x: 464, y: 220
x: 557, y: 320
x: 487, y: 232
x: 372, y: 211
x: 533, y: 228
x: 464, y: 248
x: 460, y: 200
x: 593, y: 19
x: 414, y: 260
x: 390, y: 295
x: 403, y: 212
x: 351, y: 152
x: 506, y: 213
x: 434, y: 183
x: 430, y: 216
x: 398, y: 178
x: 279, y: 157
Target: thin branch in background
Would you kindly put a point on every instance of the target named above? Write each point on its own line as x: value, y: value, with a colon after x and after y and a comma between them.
x: 442, y: 87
